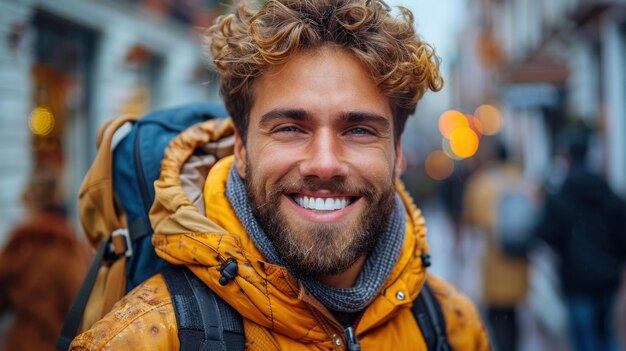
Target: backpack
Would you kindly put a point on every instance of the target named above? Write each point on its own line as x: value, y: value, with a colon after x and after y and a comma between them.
x: 113, y: 216
x: 116, y: 221
x: 516, y: 216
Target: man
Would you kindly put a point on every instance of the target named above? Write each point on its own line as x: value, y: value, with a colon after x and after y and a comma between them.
x: 41, y: 267
x: 497, y: 191
x: 309, y: 206
x: 584, y: 221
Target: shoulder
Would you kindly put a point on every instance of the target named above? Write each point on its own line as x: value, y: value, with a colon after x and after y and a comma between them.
x: 464, y: 327
x: 143, y: 320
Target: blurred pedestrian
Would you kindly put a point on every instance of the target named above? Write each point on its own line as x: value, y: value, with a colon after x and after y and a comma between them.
x: 41, y: 268
x: 499, y: 203
x: 451, y: 192
x: 620, y: 310
x: 585, y: 223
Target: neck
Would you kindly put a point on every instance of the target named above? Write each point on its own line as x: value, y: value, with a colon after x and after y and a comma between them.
x: 347, y: 278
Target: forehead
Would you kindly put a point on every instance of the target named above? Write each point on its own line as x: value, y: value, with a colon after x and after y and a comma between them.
x: 326, y: 82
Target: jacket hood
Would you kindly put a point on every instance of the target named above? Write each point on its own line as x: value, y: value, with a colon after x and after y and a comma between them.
x: 199, y: 229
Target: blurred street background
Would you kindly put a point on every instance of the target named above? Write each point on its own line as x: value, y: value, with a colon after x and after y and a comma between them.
x: 534, y: 91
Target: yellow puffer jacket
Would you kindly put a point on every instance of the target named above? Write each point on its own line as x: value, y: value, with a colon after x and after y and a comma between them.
x: 278, y: 313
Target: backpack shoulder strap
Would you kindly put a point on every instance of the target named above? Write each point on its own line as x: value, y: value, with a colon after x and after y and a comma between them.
x: 74, y: 315
x: 205, y: 321
x: 427, y: 312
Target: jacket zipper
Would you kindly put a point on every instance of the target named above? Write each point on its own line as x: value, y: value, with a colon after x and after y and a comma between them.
x: 352, y: 343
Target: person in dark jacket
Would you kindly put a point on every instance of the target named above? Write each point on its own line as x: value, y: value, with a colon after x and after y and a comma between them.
x: 585, y: 223
x: 41, y: 268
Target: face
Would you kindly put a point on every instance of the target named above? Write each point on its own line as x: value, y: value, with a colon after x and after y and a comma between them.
x: 320, y: 160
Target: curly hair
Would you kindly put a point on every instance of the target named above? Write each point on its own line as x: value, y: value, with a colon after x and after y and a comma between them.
x: 247, y: 42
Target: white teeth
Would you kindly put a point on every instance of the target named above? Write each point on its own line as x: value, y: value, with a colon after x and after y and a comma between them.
x: 319, y: 204
x: 322, y: 204
x: 329, y: 204
x: 337, y: 204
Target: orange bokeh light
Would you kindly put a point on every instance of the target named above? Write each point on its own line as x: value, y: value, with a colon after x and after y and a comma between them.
x: 451, y: 120
x: 438, y: 165
x: 490, y: 117
x: 464, y: 142
x: 476, y: 125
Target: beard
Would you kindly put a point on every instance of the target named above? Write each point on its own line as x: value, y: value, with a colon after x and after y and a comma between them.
x: 320, y: 249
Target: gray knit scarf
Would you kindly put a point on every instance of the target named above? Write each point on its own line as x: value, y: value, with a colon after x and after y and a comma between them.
x: 377, y: 266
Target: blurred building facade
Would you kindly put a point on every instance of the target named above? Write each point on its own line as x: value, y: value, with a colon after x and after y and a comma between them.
x: 68, y: 65
x: 546, y: 63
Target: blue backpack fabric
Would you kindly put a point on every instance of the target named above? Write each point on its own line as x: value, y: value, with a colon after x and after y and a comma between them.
x: 136, y: 165
x: 515, y: 218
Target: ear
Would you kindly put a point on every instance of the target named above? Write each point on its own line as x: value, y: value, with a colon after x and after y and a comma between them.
x: 400, y: 160
x: 240, y: 155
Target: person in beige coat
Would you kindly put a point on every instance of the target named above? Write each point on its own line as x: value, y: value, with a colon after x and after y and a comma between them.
x: 505, y: 276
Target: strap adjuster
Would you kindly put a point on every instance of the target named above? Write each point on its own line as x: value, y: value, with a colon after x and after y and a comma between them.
x: 121, y: 243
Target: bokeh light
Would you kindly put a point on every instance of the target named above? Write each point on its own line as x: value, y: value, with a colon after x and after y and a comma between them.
x: 464, y: 142
x: 41, y: 121
x: 490, y: 117
x: 476, y: 125
x: 438, y: 165
x: 451, y: 120
x: 447, y: 149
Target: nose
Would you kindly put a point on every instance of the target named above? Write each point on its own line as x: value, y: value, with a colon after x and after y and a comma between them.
x: 324, y: 157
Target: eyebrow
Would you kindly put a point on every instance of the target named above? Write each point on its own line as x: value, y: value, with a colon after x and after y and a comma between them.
x: 294, y: 114
x: 361, y: 117
x: 303, y: 115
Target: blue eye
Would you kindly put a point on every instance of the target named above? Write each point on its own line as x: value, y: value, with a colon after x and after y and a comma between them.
x: 360, y: 131
x: 287, y: 129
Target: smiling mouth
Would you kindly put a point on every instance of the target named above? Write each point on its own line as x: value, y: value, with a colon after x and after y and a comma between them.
x: 323, y: 203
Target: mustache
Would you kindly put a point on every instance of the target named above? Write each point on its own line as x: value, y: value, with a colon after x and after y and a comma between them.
x: 313, y: 184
